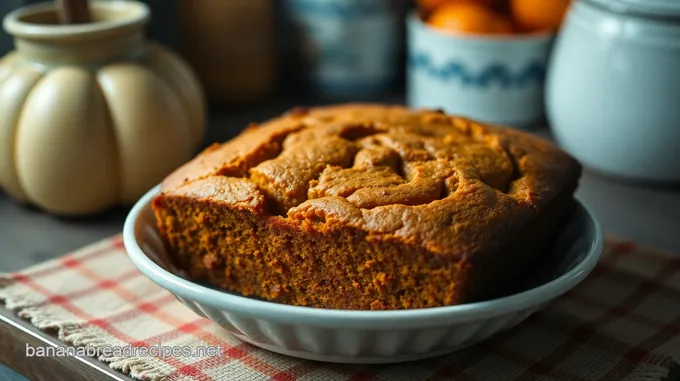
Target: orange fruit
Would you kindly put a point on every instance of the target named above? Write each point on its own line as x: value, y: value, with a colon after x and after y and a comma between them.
x: 538, y: 15
x: 469, y: 17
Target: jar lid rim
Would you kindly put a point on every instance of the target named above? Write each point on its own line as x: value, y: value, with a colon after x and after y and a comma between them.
x: 666, y: 9
x: 109, y: 18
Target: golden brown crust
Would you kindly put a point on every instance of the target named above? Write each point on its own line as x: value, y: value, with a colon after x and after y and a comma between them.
x: 411, y: 174
x: 446, y: 185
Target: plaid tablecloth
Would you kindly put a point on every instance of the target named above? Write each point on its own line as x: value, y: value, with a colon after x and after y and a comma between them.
x: 623, y: 322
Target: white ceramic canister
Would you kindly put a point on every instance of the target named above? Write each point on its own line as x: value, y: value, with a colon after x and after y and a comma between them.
x: 613, y: 87
x: 350, y: 47
x: 495, y: 78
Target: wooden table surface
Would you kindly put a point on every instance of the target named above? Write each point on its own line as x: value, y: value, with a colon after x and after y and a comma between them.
x: 645, y: 215
x: 16, y: 334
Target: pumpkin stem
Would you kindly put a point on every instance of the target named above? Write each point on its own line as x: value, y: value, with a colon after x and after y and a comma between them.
x: 73, y: 11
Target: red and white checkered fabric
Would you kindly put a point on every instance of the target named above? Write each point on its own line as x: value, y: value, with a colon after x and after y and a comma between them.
x: 623, y: 322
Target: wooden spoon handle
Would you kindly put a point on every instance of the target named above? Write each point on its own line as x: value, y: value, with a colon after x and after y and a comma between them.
x: 73, y: 11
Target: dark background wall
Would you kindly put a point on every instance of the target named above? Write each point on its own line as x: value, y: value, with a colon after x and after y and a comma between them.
x: 291, y: 78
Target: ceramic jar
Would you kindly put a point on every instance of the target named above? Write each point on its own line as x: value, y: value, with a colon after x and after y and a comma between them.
x: 613, y: 88
x: 92, y: 115
x: 496, y: 79
x: 231, y: 45
x: 350, y: 48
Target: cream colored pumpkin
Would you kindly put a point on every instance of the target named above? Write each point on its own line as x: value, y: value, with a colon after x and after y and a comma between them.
x: 92, y: 115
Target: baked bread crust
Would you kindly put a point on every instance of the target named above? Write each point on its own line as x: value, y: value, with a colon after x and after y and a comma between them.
x: 365, y: 206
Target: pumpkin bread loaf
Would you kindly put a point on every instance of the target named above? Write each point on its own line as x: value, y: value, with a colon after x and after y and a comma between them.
x: 367, y: 207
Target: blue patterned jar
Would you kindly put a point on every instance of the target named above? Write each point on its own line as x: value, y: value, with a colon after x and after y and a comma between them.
x: 496, y: 79
x: 349, y: 47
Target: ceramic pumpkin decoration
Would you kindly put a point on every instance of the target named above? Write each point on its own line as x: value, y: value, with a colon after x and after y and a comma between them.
x: 92, y: 115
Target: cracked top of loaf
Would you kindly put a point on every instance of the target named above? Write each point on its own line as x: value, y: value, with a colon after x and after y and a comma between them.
x: 448, y: 183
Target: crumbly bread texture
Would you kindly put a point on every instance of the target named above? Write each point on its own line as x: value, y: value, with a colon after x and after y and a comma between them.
x: 363, y: 206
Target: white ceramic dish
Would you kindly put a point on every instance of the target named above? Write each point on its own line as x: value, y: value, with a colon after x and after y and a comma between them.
x: 365, y: 336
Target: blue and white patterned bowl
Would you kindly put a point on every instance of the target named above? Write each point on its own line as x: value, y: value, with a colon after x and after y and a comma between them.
x: 496, y: 79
